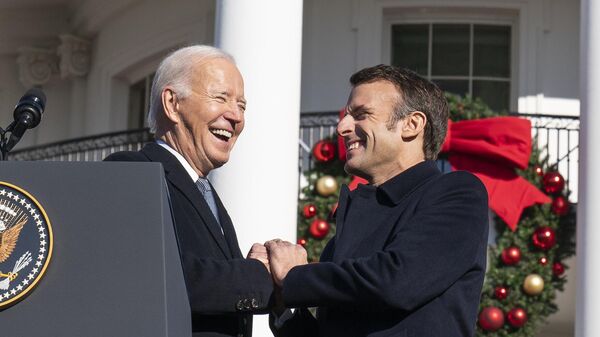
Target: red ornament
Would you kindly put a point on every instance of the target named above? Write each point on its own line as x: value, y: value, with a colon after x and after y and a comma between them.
x: 324, y: 151
x: 302, y: 242
x: 319, y: 228
x: 544, y: 238
x: 543, y: 260
x: 309, y: 211
x: 511, y: 256
x: 553, y: 182
x: 560, y: 206
x: 491, y: 318
x: 558, y: 269
x: 538, y: 170
x: 501, y: 292
x: 517, y: 317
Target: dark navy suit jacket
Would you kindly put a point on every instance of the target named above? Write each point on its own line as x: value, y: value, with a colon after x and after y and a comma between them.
x: 412, y: 266
x: 223, y: 287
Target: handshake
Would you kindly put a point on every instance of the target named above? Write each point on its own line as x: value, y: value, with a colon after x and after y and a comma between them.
x: 279, y: 257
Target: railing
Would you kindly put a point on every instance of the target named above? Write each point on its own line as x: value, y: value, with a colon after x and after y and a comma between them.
x: 558, y: 139
x: 557, y: 136
x: 92, y: 148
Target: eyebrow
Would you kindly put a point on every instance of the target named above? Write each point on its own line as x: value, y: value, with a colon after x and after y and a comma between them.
x: 357, y: 109
x: 228, y: 94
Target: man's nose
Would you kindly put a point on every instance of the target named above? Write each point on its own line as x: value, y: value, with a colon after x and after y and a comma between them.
x: 234, y: 114
x: 345, y: 125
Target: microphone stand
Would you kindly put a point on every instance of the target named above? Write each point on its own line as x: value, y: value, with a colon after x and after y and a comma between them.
x: 4, y: 143
x: 27, y: 115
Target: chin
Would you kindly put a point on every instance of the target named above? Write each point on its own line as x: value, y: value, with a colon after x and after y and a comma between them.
x: 218, y: 162
x: 351, y: 169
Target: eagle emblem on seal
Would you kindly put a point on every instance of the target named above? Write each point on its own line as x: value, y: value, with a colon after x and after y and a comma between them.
x: 10, y: 228
x: 25, y: 243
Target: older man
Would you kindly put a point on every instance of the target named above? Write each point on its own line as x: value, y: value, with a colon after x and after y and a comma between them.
x: 196, y: 114
x: 409, y: 254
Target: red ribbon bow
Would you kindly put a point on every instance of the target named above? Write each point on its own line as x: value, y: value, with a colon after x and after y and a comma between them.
x: 491, y: 149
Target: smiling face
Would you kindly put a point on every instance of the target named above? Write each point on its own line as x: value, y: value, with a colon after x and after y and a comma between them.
x: 209, y: 120
x: 373, y: 146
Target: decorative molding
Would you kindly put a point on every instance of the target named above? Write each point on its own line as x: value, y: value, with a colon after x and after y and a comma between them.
x: 74, y: 54
x: 89, y: 16
x: 36, y: 65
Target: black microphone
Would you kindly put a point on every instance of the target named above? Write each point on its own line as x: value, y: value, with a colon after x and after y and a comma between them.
x: 27, y: 115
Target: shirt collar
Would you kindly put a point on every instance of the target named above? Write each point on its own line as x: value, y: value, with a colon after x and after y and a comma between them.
x: 401, y: 185
x: 188, y: 168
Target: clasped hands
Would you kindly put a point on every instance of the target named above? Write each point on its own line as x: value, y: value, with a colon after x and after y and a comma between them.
x: 279, y: 257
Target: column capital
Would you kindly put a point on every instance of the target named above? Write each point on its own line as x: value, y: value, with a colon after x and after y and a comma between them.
x: 74, y: 55
x: 36, y: 65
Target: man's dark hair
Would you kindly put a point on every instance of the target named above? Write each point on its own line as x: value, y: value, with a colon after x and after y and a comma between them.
x: 416, y: 94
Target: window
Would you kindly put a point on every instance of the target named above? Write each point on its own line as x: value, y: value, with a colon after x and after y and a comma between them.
x: 139, y: 102
x: 460, y: 58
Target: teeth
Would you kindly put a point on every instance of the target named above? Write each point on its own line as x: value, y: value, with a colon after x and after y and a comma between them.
x: 222, y: 132
x: 353, y: 146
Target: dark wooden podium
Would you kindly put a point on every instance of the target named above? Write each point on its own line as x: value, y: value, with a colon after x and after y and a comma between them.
x: 115, y: 268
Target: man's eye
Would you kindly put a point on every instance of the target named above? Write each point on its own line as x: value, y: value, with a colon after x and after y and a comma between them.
x: 221, y: 99
x: 242, y: 107
x: 360, y: 116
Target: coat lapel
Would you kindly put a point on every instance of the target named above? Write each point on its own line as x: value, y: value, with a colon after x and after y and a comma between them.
x: 340, y: 212
x: 228, y: 228
x: 177, y: 176
x: 340, y: 217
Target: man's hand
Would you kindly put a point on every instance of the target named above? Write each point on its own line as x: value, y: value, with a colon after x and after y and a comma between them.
x: 259, y: 252
x: 283, y: 256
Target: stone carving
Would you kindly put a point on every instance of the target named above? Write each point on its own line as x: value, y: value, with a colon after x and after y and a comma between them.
x: 74, y: 54
x: 36, y: 65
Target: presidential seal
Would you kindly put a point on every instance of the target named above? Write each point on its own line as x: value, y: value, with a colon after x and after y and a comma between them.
x: 25, y: 243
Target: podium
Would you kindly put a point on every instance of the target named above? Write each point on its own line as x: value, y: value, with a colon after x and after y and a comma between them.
x: 115, y: 268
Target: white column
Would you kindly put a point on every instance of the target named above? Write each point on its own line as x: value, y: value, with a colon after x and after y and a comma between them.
x: 259, y: 185
x: 588, y: 212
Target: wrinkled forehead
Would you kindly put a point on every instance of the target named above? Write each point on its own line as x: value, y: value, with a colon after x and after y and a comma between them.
x: 374, y: 92
x: 209, y: 65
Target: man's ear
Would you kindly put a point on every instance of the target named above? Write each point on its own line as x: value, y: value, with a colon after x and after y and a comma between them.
x: 170, y: 104
x: 413, y: 124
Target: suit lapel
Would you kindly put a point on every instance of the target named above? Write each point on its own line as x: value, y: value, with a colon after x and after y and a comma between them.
x: 177, y: 175
x: 228, y: 228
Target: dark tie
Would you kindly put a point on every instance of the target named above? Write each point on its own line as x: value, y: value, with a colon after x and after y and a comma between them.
x: 206, y: 191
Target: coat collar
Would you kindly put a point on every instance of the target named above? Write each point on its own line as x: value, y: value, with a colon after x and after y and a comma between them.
x: 401, y: 185
x: 178, y: 176
x: 391, y: 192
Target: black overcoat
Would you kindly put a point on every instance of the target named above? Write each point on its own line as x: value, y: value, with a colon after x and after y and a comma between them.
x: 222, y: 286
x: 414, y: 266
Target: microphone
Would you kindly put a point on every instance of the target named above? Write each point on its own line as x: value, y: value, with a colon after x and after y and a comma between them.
x: 27, y: 115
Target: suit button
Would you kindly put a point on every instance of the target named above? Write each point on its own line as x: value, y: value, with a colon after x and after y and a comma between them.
x: 240, y: 305
x: 254, y: 303
x: 247, y: 304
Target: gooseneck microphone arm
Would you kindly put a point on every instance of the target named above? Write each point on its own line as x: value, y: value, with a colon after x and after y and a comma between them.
x: 27, y: 115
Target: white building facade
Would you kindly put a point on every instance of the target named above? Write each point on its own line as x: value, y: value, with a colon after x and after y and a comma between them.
x: 95, y: 60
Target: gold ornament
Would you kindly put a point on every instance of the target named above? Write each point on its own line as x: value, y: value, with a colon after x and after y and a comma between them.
x: 533, y: 284
x: 326, y: 186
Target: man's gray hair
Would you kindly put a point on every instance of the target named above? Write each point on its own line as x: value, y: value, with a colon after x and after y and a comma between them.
x: 176, y: 71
